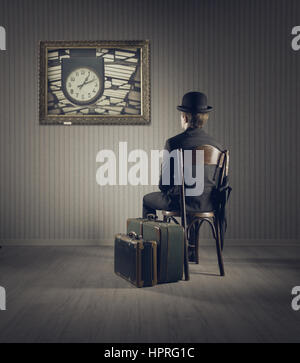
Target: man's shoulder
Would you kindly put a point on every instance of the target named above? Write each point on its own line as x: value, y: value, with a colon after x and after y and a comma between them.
x: 175, y: 142
x: 210, y: 140
x: 192, y: 138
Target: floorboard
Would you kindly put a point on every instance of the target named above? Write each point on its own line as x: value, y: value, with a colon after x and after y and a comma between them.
x: 71, y: 294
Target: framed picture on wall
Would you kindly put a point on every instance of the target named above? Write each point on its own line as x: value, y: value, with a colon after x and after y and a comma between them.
x: 94, y: 82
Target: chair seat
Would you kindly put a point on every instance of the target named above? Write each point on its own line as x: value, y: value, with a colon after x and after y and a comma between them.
x: 166, y: 213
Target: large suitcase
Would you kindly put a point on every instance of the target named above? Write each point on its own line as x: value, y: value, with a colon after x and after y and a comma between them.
x: 170, y: 246
x: 136, y: 225
x: 136, y: 259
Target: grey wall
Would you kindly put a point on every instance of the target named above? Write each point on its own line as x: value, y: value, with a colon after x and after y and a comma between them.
x: 238, y: 52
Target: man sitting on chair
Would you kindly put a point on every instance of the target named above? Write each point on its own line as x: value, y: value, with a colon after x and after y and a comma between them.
x: 194, y: 115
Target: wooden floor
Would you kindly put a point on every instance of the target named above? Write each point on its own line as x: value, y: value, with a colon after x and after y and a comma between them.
x: 70, y: 294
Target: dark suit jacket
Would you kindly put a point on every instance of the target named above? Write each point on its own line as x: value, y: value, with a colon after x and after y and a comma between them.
x: 188, y: 140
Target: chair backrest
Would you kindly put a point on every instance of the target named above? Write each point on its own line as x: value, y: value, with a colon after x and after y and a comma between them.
x: 213, y: 156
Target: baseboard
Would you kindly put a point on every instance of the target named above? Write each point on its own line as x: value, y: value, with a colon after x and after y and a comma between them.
x: 56, y: 242
x: 247, y: 242
x: 109, y: 242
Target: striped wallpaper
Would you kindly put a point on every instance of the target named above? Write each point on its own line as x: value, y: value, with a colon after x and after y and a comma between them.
x: 237, y: 51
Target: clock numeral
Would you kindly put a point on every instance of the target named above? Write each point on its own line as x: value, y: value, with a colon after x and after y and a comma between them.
x: 89, y: 95
x: 82, y: 97
x: 72, y: 79
x: 71, y: 91
x: 94, y: 90
x: 77, y: 74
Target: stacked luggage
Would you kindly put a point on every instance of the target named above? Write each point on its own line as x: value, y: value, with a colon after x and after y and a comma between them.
x: 151, y: 252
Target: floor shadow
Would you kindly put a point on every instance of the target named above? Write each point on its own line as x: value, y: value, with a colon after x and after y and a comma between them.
x: 206, y: 274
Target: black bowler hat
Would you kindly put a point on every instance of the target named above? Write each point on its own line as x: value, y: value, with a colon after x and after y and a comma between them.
x: 194, y: 102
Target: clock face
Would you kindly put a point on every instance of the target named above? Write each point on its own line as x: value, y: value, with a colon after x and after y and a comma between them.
x: 83, y: 86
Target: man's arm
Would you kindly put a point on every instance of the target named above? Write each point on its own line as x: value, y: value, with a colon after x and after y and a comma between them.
x: 166, y: 164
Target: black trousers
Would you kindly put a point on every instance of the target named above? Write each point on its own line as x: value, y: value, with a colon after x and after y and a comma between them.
x: 160, y: 201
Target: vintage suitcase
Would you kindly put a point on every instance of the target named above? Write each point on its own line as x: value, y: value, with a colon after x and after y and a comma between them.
x: 170, y: 246
x: 136, y: 259
x: 136, y: 225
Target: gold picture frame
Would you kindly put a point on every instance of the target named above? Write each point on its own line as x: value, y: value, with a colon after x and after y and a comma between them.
x: 94, y: 82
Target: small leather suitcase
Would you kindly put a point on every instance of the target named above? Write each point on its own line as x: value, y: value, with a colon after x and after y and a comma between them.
x: 136, y: 259
x: 170, y: 246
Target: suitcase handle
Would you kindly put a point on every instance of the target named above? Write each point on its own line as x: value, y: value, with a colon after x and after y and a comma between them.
x: 152, y: 217
x: 133, y: 235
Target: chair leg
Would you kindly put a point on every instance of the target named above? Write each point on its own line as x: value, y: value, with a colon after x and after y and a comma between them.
x: 197, y: 244
x: 219, y: 250
x: 221, y: 239
x: 193, y: 236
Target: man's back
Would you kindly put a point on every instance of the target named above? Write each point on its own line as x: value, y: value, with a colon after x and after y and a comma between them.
x: 189, y: 140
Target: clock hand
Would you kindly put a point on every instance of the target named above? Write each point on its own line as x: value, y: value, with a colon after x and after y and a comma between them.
x: 84, y: 82
x: 93, y: 80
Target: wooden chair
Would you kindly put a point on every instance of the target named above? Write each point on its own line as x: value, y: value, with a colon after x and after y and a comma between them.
x: 212, y: 156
